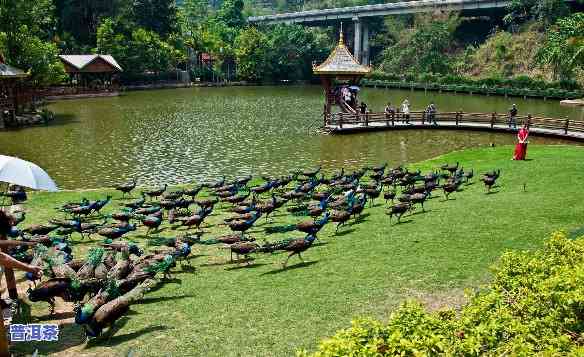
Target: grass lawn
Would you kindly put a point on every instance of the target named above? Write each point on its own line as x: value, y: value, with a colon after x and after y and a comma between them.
x: 222, y: 309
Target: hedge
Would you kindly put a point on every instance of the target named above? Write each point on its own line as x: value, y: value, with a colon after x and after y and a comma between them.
x: 519, y: 82
x: 534, y: 305
x: 552, y: 93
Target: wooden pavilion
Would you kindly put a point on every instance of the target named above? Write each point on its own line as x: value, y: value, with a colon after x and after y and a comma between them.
x: 14, y: 94
x: 93, y: 72
x: 340, y: 70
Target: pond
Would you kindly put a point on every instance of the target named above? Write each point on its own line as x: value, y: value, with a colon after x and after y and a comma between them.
x: 194, y: 134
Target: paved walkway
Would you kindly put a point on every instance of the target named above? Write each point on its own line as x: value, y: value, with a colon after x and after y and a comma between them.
x: 416, y: 124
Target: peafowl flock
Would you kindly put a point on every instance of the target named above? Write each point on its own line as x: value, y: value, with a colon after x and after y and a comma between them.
x: 117, y: 272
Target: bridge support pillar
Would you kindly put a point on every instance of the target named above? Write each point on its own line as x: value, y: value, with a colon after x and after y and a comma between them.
x: 365, y: 45
x: 357, y: 41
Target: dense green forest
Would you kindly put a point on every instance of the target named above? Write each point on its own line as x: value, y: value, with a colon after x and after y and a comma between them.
x: 531, y: 43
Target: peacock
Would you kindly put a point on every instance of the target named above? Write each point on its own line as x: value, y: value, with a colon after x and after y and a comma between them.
x: 314, y: 226
x: 193, y: 192
x: 152, y: 222
x: 297, y: 247
x: 419, y: 198
x: 243, y: 248
x: 359, y: 206
x: 451, y: 168
x: 40, y: 229
x: 342, y: 216
x: 389, y: 195
x: 243, y: 226
x: 137, y: 203
x: 126, y: 188
x: 157, y: 192
x: 116, y: 232
x: 173, y: 195
x: 267, y: 208
x: 98, y: 205
x: 110, y: 312
x: 399, y: 210
x: 490, y: 178
x: 451, y: 186
x: 197, y: 219
x: 311, y: 173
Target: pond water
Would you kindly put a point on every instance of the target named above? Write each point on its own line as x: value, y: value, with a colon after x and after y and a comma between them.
x: 185, y: 135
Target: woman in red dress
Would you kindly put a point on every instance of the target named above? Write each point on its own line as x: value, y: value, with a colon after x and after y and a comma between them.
x: 521, y: 147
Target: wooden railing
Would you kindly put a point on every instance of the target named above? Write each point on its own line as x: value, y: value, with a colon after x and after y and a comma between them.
x: 485, y: 120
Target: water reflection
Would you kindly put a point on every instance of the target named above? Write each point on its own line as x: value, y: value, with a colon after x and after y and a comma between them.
x: 184, y: 135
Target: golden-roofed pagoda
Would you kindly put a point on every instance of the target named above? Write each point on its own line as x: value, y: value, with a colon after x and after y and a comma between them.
x: 340, y: 69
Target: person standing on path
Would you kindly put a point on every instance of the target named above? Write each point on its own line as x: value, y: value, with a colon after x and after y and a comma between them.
x: 389, y: 113
x: 405, y: 108
x: 431, y: 112
x: 513, y: 116
x: 521, y: 147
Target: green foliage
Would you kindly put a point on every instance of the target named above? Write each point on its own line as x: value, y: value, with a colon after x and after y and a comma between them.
x: 140, y: 51
x: 30, y: 53
x: 423, y: 49
x: 293, y: 48
x: 24, y: 33
x: 546, y: 11
x: 231, y: 13
x: 78, y: 20
x: 157, y: 16
x: 534, y: 305
x: 564, y: 46
x: 251, y: 51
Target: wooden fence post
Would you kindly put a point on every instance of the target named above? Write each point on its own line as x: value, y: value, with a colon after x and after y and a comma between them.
x: 340, y: 120
x: 457, y: 117
x: 366, y: 119
x: 493, y: 118
x: 528, y: 121
x: 566, y: 126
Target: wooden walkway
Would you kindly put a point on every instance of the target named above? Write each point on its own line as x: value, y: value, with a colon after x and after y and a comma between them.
x: 342, y: 123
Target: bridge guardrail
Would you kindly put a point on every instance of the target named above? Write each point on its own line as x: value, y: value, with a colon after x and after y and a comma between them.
x: 456, y: 118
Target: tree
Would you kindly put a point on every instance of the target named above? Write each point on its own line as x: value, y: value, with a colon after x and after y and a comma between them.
x: 78, y: 20
x: 25, y: 30
x: 251, y: 51
x: 546, y: 11
x: 159, y: 16
x: 231, y: 13
x: 140, y: 51
x: 111, y: 40
x: 423, y: 49
x: 293, y: 49
x: 194, y: 12
x: 564, y: 46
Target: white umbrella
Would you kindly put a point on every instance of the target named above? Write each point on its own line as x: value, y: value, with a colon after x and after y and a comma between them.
x: 24, y: 173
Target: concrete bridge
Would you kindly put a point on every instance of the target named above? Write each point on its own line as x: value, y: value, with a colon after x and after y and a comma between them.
x: 359, y: 14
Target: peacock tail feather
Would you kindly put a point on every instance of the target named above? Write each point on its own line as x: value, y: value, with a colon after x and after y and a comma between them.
x: 95, y: 256
x: 160, y: 267
x: 280, y: 229
x: 159, y: 241
x: 208, y: 242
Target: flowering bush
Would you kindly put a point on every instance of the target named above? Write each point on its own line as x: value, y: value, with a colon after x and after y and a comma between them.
x: 534, y: 305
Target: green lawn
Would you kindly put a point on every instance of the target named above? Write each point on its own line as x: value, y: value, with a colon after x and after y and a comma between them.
x: 225, y: 310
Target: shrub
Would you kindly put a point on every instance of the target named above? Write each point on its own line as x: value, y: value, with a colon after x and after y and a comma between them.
x: 534, y: 305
